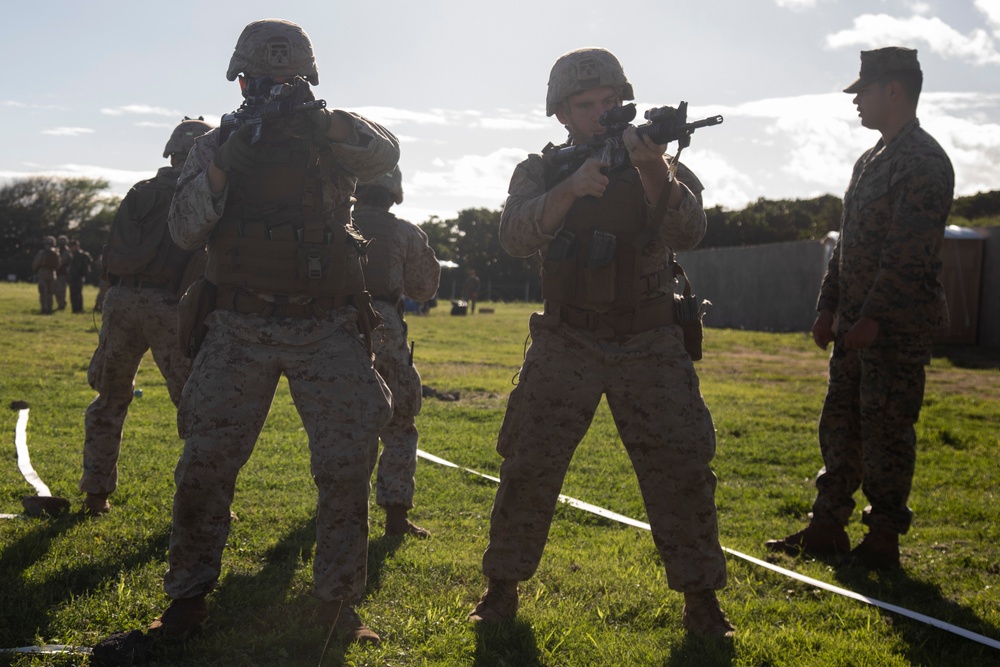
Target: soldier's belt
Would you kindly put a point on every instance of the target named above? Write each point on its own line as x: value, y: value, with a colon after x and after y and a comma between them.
x: 651, y: 314
x: 241, y: 301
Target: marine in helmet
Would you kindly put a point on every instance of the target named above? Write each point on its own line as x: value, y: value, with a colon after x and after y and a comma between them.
x: 606, y: 241
x: 400, y: 262
x: 145, y: 273
x: 62, y: 273
x: 283, y: 294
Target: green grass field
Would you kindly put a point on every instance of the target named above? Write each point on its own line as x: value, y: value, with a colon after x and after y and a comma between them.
x: 599, y: 598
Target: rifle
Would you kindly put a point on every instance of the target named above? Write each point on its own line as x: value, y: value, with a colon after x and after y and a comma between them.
x: 665, y: 124
x: 266, y: 100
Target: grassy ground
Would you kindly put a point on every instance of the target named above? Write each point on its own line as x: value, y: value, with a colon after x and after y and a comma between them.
x: 599, y: 597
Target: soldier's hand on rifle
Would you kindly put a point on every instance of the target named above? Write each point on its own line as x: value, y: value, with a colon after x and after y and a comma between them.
x: 236, y: 155
x: 643, y: 151
x: 589, y: 180
x: 311, y: 125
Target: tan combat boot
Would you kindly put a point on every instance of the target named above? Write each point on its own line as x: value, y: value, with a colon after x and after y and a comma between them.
x: 397, y: 525
x: 879, y: 550
x: 181, y: 620
x: 347, y: 625
x: 703, y: 616
x: 499, y: 602
x: 816, y: 539
x: 96, y: 504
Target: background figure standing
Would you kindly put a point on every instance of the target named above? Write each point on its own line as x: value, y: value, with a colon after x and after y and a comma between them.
x: 470, y: 289
x: 880, y: 304
x: 284, y: 295
x: 608, y: 328
x: 62, y: 275
x: 79, y: 269
x: 147, y: 273
x: 45, y: 265
x: 400, y: 261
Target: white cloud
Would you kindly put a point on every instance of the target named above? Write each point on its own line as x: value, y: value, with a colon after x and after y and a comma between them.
x: 796, y: 4
x: 120, y: 180
x: 725, y: 185
x: 875, y: 30
x: 482, y: 177
x: 991, y: 9
x: 68, y: 131
x: 145, y: 109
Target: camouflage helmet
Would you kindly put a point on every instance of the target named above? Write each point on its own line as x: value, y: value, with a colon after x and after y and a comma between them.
x: 49, y: 241
x: 183, y: 136
x: 391, y: 183
x: 273, y: 47
x: 584, y: 69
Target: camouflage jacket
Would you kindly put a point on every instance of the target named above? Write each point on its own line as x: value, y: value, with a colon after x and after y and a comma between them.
x: 369, y: 152
x: 413, y: 266
x: 681, y: 229
x: 886, y: 262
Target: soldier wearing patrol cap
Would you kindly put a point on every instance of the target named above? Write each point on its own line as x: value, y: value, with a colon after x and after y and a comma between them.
x: 608, y: 328
x: 283, y: 294
x: 400, y: 262
x: 146, y: 272
x: 880, y: 304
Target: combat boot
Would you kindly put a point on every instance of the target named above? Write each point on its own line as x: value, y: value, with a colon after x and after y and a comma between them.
x: 879, y: 550
x: 816, y: 539
x: 347, y: 625
x: 182, y: 619
x: 499, y: 602
x: 96, y: 504
x: 397, y: 525
x: 703, y: 616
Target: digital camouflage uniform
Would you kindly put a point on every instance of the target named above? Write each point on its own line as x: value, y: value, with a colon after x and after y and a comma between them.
x: 62, y: 274
x: 885, y: 267
x: 79, y: 269
x: 144, y: 268
x: 340, y: 398
x: 412, y: 269
x: 651, y: 387
x: 45, y: 265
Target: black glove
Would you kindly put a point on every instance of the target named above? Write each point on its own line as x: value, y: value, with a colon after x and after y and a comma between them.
x: 236, y: 154
x: 310, y: 125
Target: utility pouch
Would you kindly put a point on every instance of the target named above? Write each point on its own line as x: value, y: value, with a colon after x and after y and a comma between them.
x: 689, y: 313
x: 562, y: 247
x: 602, y: 249
x: 198, y: 301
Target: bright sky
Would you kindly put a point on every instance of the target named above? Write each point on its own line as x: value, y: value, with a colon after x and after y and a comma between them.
x: 95, y: 88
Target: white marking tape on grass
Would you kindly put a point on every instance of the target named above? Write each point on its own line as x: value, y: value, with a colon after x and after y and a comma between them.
x: 608, y: 514
x: 49, y: 649
x: 23, y: 460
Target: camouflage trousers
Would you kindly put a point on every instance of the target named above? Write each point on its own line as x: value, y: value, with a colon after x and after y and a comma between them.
x: 395, y: 484
x: 342, y: 403
x: 46, y: 290
x: 867, y: 438
x: 653, y: 392
x: 133, y: 321
x: 60, y: 290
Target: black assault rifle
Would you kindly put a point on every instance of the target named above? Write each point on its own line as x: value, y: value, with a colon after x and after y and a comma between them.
x: 266, y: 100
x: 665, y: 124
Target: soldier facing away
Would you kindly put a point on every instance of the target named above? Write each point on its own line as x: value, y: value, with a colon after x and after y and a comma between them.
x: 79, y: 269
x: 400, y: 261
x: 283, y: 294
x: 147, y: 273
x: 606, y: 330
x: 880, y: 304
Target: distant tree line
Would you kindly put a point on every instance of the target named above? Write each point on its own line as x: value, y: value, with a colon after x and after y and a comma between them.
x: 80, y: 208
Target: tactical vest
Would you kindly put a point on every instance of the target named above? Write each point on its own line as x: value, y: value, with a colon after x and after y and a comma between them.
x: 380, y: 228
x: 593, y: 263
x: 50, y: 260
x: 275, y: 236
x: 141, y: 248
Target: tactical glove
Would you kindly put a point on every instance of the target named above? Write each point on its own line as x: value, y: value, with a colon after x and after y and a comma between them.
x: 310, y: 125
x: 236, y: 154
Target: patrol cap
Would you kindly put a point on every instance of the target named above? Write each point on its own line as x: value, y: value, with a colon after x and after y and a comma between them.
x: 583, y: 69
x: 877, y: 63
x: 391, y: 182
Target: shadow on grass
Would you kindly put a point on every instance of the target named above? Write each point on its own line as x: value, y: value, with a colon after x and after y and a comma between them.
x: 701, y: 652
x: 27, y: 602
x: 379, y: 551
x: 507, y: 643
x: 899, y: 588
